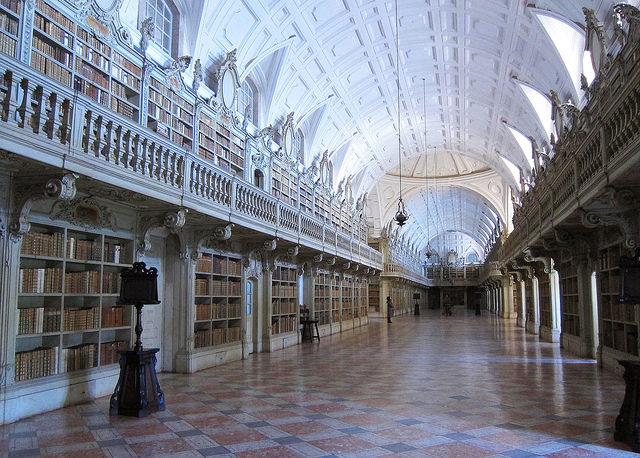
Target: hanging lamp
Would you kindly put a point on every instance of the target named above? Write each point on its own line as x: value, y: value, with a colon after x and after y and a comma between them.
x: 401, y: 215
x: 428, y: 251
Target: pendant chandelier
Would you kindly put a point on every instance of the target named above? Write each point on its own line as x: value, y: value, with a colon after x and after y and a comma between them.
x: 401, y: 216
x: 428, y: 251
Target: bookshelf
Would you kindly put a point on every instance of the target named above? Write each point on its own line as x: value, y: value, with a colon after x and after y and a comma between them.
x: 217, y: 293
x: 219, y: 145
x: 619, y: 321
x: 284, y: 300
x: 322, y: 298
x: 528, y: 290
x: 347, y: 298
x: 306, y: 198
x: 335, y: 298
x: 72, y: 55
x: 67, y: 317
x: 374, y: 296
x: 363, y: 303
x: 10, y: 11
x: 321, y: 208
x: 284, y: 184
x: 516, y: 297
x: 570, y: 300
x: 544, y: 291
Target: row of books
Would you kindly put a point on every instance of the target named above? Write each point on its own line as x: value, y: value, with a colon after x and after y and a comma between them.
x: 214, y: 287
x: 56, y: 52
x: 81, y: 319
x: 322, y: 317
x: 53, y: 30
x: 619, y: 312
x: 124, y: 108
x: 85, y: 282
x: 160, y: 88
x: 42, y: 244
x: 89, y: 250
x: 126, y: 63
x: 286, y: 290
x: 8, y: 24
x: 109, y: 351
x: 79, y: 357
x: 40, y: 362
x: 216, y: 336
x: 182, y: 127
x: 155, y: 112
x: 89, y: 89
x: 285, y: 274
x: 40, y: 280
x: 37, y: 320
x: 284, y: 324
x: 50, y: 68
x: 159, y: 99
x: 7, y: 45
x: 282, y: 306
x: 13, y: 5
x: 116, y: 253
x: 112, y: 317
x: 51, y: 12
x: 124, y: 92
x: 90, y: 55
x: 93, y: 74
x: 217, y: 311
x: 93, y: 41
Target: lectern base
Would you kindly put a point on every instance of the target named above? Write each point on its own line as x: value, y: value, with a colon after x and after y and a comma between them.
x: 138, y: 392
x: 628, y: 421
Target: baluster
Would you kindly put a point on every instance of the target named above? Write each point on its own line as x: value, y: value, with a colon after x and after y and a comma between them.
x: 50, y: 113
x: 106, y: 135
x: 6, y: 88
x: 88, y: 127
x: 64, y: 130
x: 143, y: 155
x: 125, y: 145
x: 37, y: 117
x: 117, y: 145
x: 23, y: 97
x: 97, y: 132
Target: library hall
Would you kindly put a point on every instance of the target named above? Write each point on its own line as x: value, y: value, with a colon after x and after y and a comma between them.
x: 286, y: 228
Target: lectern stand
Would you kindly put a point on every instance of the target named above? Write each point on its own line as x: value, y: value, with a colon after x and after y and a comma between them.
x: 628, y: 421
x: 138, y: 392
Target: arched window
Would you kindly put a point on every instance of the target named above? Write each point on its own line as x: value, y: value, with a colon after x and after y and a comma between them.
x: 247, y: 102
x: 164, y: 16
x: 258, y: 178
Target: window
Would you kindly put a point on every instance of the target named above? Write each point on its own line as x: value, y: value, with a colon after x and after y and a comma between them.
x: 162, y: 17
x: 246, y: 102
x: 258, y: 178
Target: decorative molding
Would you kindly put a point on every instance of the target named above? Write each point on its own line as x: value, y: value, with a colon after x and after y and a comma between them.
x: 63, y: 188
x: 197, y: 76
x: 546, y: 261
x: 172, y: 222
x: 528, y: 269
x: 223, y: 232
x: 84, y: 212
x: 146, y: 32
x: 614, y: 207
x: 270, y: 245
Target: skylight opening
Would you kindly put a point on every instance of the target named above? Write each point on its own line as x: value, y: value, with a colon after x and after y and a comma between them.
x: 525, y: 145
x: 515, y: 171
x: 541, y: 105
x: 569, y: 43
x: 588, y: 70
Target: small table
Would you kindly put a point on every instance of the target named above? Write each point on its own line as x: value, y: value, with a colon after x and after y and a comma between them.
x: 308, y: 330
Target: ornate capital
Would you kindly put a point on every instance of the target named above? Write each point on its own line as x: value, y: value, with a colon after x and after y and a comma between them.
x: 547, y: 261
x: 223, y: 232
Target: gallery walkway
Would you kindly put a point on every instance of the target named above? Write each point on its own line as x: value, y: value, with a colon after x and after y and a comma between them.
x: 423, y: 386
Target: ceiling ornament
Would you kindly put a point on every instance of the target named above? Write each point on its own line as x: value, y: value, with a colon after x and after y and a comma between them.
x: 401, y: 215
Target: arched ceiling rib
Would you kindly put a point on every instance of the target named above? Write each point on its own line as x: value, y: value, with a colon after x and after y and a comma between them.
x: 471, y: 54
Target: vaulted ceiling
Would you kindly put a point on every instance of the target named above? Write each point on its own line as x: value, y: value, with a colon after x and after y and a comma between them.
x: 333, y: 63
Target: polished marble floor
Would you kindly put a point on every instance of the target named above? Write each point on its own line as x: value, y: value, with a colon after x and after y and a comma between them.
x: 460, y: 386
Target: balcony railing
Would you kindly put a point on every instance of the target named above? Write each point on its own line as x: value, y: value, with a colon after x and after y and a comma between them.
x: 43, y: 120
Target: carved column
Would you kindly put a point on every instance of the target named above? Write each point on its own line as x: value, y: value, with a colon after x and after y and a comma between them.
x: 588, y: 318
x: 507, y: 297
x: 533, y: 325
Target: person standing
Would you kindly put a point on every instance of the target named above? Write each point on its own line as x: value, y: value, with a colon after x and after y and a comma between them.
x: 389, y: 309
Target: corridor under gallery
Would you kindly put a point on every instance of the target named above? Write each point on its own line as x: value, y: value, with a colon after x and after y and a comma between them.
x: 425, y: 385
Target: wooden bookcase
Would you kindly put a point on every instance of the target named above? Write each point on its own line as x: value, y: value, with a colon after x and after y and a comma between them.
x: 67, y: 317
x: 347, y: 298
x: 544, y: 294
x: 284, y: 300
x: 10, y: 11
x: 284, y: 184
x: 361, y: 306
x: 335, y: 298
x: 570, y: 304
x: 322, y: 298
x: 217, y: 293
x: 619, y: 321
